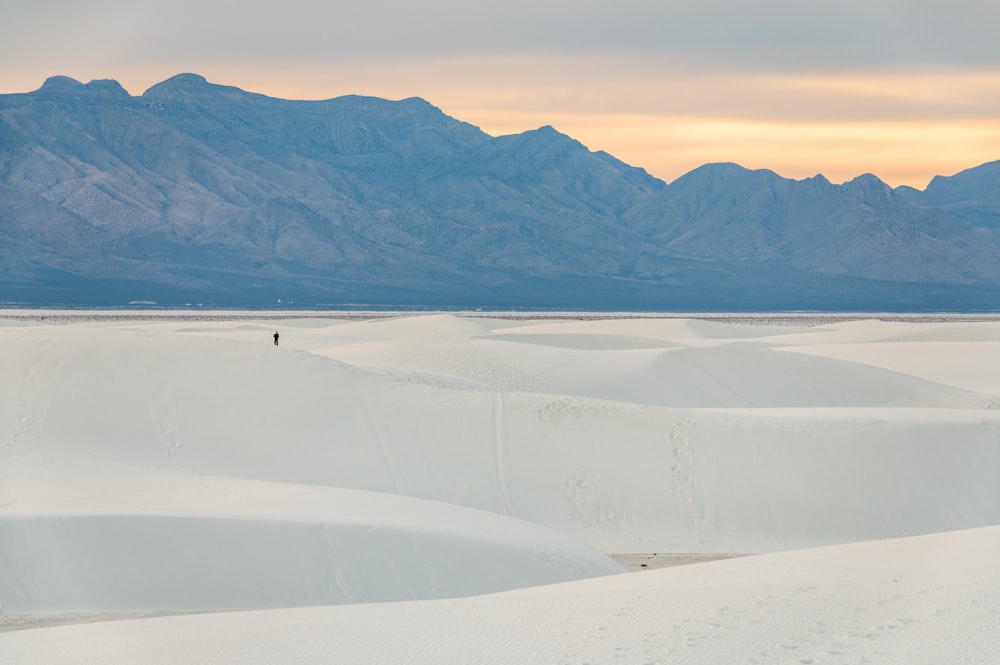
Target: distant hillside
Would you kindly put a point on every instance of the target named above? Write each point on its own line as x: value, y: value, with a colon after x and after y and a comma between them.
x: 201, y: 193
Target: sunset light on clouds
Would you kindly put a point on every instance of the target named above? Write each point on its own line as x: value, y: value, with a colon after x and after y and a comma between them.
x: 904, y: 90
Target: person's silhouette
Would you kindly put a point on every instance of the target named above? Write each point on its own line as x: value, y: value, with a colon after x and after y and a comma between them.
x: 276, y: 338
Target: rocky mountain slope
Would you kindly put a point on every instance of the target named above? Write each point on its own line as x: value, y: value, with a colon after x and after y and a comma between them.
x: 202, y: 193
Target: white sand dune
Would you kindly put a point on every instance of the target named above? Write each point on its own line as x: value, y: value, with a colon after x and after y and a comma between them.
x: 177, y: 465
x: 106, y: 539
x: 926, y: 600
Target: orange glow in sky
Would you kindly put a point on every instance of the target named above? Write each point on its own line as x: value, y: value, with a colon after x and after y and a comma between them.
x: 904, y: 129
x: 902, y: 89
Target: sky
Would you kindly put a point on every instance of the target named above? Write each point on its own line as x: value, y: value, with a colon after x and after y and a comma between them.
x: 902, y: 89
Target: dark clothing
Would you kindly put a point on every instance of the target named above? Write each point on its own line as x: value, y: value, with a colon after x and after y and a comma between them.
x: 276, y: 339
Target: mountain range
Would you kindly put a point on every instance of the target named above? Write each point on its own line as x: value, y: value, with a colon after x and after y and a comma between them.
x: 197, y: 193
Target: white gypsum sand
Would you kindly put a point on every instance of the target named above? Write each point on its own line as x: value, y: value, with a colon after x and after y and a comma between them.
x: 913, y: 601
x: 166, y: 464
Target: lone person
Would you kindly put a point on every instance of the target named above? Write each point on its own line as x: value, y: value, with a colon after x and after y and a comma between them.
x: 276, y: 338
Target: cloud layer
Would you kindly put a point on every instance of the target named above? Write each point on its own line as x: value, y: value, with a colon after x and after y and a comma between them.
x: 904, y: 90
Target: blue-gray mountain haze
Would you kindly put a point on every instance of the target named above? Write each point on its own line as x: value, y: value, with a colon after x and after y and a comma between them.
x: 201, y: 193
